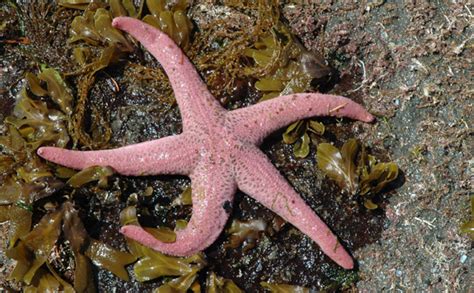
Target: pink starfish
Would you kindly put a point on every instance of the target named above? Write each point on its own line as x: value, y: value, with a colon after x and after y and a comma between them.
x: 218, y: 150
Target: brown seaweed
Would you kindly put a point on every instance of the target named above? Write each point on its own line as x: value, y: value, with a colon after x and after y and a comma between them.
x: 171, y: 19
x: 76, y: 234
x: 152, y: 264
x: 339, y: 165
x: 90, y: 174
x: 216, y: 284
x: 247, y: 232
x: 76, y: 4
x: 367, y: 177
x: 284, y: 67
x: 468, y: 227
x: 299, y: 132
x: 284, y: 288
x: 33, y: 249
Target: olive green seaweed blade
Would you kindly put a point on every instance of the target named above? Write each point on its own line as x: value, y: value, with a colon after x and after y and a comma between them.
x: 379, y: 176
x: 216, y: 284
x: 284, y: 288
x: 349, y: 152
x: 94, y: 173
x: 109, y: 258
x: 75, y: 4
x: 77, y: 236
x: 337, y: 166
x: 33, y: 249
x: 468, y: 227
x: 57, y: 89
x: 153, y: 264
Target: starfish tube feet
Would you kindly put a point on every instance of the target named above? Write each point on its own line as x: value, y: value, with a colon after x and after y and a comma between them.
x: 257, y: 177
x: 211, y: 190
x: 171, y: 154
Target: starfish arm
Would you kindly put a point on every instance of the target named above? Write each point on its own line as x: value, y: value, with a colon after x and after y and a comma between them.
x: 168, y: 155
x: 256, y: 122
x: 257, y: 177
x: 211, y: 189
x: 194, y: 99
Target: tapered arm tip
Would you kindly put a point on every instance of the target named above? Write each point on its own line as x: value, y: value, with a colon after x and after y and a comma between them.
x: 48, y: 153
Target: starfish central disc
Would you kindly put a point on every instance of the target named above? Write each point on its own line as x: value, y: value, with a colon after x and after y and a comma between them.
x: 218, y: 150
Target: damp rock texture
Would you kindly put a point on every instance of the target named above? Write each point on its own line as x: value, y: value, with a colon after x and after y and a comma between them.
x: 413, y: 68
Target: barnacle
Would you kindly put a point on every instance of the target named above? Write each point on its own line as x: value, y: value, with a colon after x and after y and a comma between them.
x: 171, y: 20
x: 245, y: 231
x: 215, y: 284
x: 366, y: 177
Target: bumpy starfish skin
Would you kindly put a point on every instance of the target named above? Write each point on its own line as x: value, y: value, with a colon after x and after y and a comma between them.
x: 219, y: 151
